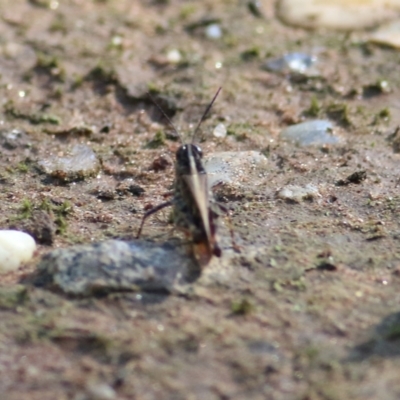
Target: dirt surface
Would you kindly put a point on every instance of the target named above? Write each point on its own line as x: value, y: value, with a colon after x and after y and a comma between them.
x: 310, y: 307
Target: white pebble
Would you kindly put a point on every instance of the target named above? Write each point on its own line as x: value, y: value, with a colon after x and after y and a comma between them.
x: 219, y: 131
x: 213, y: 31
x: 337, y: 14
x: 15, y: 248
x: 298, y: 193
x: 174, y: 56
x: 293, y: 62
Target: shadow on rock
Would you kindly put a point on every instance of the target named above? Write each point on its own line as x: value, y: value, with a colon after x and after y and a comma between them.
x: 117, y: 265
x: 384, y: 342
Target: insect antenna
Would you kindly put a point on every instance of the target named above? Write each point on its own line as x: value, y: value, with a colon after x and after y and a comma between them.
x: 205, y: 114
x: 165, y: 116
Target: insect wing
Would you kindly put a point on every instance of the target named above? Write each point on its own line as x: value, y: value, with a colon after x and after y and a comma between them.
x: 197, y: 183
x: 198, y: 187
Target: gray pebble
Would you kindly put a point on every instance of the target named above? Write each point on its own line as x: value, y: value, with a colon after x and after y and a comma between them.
x: 79, y: 164
x: 116, y: 265
x: 299, y: 63
x: 14, y: 138
x: 213, y: 31
x: 317, y: 132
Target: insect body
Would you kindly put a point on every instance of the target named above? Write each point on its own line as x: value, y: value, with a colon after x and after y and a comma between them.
x: 192, y: 201
x: 193, y: 211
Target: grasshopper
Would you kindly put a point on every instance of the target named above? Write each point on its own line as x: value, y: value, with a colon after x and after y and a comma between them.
x: 192, y: 200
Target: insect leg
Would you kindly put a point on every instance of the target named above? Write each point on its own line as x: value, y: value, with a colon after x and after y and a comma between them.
x: 151, y: 212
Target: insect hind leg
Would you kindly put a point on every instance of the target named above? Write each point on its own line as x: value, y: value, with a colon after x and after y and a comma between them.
x: 151, y: 212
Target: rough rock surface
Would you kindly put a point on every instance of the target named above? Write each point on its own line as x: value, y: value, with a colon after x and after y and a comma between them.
x: 116, y: 265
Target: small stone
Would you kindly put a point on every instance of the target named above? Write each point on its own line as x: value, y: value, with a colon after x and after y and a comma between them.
x: 161, y: 163
x: 116, y: 41
x: 16, y: 247
x: 13, y: 139
x: 103, y: 188
x: 100, y: 391
x: 40, y: 226
x: 174, y: 56
x: 337, y: 14
x: 298, y: 193
x: 79, y: 164
x: 356, y: 178
x: 116, y: 265
x: 255, y: 7
x: 317, y: 132
x: 219, y: 131
x: 213, y: 31
x: 388, y: 34
x: 129, y: 187
x: 299, y: 63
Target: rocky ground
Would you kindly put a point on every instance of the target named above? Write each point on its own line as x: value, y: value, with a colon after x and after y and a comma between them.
x: 309, y: 308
